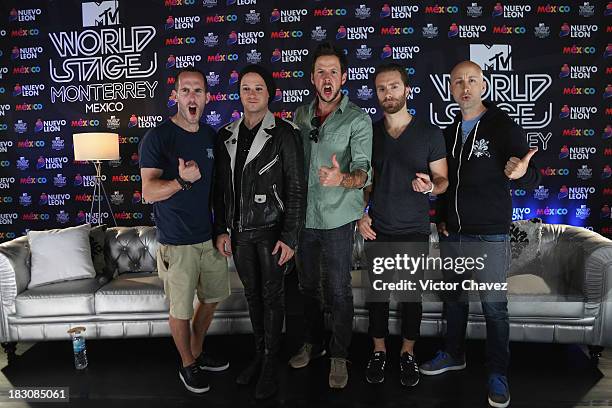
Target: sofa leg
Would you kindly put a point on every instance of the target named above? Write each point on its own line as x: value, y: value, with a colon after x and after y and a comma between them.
x: 10, y: 348
x: 595, y: 353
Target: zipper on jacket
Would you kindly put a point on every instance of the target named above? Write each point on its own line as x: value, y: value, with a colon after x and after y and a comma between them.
x: 280, y: 202
x: 268, y: 166
x: 242, y: 185
x: 457, y: 189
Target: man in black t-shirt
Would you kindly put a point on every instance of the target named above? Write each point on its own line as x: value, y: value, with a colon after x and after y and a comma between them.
x: 176, y: 167
x: 409, y: 163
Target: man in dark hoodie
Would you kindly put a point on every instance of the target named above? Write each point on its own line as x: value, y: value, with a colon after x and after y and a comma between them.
x: 486, y: 151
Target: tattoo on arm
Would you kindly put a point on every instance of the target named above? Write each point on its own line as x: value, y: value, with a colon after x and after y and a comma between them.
x: 354, y: 179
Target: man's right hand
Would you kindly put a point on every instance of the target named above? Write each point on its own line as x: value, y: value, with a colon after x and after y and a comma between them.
x: 189, y: 171
x: 365, y: 227
x: 224, y: 245
x: 442, y: 229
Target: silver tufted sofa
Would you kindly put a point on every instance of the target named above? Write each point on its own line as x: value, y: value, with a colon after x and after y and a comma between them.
x: 559, y: 291
x: 130, y: 304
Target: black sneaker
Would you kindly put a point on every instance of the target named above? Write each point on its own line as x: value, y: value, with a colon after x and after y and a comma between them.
x: 409, y: 370
x: 375, y: 371
x: 194, y: 378
x: 210, y: 363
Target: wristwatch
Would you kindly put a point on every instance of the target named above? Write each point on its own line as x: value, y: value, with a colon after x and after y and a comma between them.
x: 185, y: 185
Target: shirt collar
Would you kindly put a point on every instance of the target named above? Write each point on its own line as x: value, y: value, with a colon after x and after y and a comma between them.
x: 341, y: 106
x: 253, y: 131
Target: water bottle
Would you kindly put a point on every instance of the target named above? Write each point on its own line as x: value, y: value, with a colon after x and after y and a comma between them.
x: 78, y: 346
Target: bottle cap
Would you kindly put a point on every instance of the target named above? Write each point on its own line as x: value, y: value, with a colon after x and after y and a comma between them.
x: 76, y: 330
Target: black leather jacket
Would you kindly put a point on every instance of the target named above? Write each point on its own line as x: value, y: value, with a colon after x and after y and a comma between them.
x: 273, y: 183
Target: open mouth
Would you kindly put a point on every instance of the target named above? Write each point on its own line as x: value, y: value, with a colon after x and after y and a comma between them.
x: 328, y: 90
x: 192, y: 110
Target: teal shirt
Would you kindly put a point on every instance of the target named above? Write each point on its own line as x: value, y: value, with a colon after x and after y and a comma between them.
x: 347, y: 132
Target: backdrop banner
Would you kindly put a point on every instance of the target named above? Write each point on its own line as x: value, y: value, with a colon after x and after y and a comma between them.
x: 70, y: 67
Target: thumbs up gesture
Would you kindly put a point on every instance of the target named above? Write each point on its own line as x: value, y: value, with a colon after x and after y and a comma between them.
x: 516, y: 168
x: 331, y: 176
x: 189, y: 171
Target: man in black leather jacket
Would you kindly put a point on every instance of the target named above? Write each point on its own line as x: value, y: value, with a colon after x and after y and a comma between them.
x: 259, y: 194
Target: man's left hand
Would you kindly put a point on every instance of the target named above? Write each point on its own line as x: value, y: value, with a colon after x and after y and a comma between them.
x: 422, y: 183
x: 286, y: 252
x: 516, y: 168
x: 331, y: 176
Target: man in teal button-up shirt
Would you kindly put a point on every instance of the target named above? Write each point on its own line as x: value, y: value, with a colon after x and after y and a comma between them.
x: 347, y: 134
x: 337, y: 138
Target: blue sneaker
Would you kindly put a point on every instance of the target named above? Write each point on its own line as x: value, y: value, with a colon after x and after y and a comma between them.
x: 499, y: 394
x: 442, y: 363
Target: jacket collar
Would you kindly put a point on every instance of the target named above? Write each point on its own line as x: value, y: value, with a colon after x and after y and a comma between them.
x: 259, y: 141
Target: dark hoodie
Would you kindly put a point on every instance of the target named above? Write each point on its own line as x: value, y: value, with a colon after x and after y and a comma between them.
x: 478, y: 200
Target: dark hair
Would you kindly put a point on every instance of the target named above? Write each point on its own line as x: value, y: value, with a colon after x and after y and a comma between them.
x: 325, y: 49
x: 264, y: 74
x: 391, y: 67
x: 189, y: 69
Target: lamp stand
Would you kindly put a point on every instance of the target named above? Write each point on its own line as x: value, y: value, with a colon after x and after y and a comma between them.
x: 99, y: 192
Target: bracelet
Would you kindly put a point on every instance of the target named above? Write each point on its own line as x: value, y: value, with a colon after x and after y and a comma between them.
x: 430, y: 190
x: 185, y: 185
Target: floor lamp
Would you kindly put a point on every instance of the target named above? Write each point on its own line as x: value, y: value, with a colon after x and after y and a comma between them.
x: 97, y: 147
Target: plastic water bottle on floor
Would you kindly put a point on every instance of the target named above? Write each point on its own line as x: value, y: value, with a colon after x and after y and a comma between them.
x: 78, y: 346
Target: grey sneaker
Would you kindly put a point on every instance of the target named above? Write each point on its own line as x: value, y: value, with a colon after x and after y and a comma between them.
x: 306, y: 353
x: 338, y: 373
x: 442, y: 363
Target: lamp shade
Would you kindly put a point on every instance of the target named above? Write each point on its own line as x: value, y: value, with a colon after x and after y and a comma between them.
x: 95, y: 146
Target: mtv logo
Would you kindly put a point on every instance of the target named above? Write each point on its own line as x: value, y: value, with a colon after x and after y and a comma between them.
x: 100, y: 13
x: 495, y: 57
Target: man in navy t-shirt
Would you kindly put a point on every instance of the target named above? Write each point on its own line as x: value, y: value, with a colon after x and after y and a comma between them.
x: 176, y: 166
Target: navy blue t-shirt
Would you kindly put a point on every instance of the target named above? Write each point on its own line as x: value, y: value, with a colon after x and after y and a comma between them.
x: 185, y: 217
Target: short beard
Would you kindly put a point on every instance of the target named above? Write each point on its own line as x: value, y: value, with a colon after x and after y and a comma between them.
x: 332, y: 99
x: 395, y: 108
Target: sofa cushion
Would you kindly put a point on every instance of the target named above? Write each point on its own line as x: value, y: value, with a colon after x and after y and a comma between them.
x: 60, y: 255
x: 526, y: 243
x: 97, y: 236
x: 58, y: 299
x: 132, y: 293
x: 131, y: 250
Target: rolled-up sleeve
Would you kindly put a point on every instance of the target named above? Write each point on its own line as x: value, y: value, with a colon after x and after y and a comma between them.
x: 361, y: 146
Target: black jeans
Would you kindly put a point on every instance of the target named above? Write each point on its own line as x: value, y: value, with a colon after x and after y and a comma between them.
x: 411, y: 311
x: 328, y: 252
x: 263, y: 282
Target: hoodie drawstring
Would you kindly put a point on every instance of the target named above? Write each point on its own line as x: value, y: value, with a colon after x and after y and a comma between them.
x: 474, y: 139
x: 456, y: 135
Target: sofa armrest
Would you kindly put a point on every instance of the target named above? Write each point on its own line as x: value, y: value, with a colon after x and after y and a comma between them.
x: 602, y: 335
x: 14, y: 278
x: 583, y: 256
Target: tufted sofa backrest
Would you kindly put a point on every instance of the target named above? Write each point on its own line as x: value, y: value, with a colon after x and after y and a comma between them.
x: 130, y: 249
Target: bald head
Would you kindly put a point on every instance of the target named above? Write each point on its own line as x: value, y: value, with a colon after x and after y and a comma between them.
x: 467, y: 85
x: 463, y: 65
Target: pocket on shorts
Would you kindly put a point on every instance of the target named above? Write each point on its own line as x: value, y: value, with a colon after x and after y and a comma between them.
x: 163, y: 259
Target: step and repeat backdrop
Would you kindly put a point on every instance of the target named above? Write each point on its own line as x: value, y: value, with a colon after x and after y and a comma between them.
x: 80, y: 66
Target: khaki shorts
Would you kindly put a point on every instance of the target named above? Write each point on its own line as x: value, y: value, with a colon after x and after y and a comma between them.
x: 186, y: 269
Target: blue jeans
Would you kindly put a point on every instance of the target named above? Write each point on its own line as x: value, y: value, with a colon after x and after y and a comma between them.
x: 495, y: 308
x: 327, y: 252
